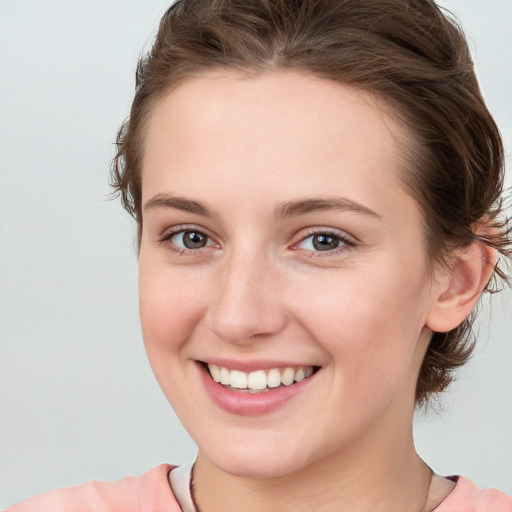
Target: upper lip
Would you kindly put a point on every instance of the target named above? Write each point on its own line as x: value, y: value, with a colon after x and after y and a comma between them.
x: 253, y: 365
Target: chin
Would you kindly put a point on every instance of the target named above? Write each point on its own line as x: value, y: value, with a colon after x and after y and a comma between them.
x: 259, y: 467
x: 250, y: 461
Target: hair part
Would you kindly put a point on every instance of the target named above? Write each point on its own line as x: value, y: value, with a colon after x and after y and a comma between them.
x: 409, y: 56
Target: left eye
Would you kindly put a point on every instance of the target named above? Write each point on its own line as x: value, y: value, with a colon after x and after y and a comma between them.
x: 322, y: 242
x: 190, y: 239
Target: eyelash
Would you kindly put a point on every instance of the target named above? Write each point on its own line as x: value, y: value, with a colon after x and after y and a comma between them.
x: 167, y: 237
x: 345, y: 242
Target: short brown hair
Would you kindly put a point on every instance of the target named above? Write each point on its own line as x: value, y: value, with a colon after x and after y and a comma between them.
x: 406, y: 53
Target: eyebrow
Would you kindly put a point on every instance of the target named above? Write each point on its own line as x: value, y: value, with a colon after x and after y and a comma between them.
x: 309, y: 205
x: 287, y: 209
x: 178, y: 203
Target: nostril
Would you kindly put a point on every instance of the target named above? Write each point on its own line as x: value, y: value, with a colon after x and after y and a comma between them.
x: 246, y: 325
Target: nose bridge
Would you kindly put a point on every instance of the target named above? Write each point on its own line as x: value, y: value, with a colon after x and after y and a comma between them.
x: 247, y: 302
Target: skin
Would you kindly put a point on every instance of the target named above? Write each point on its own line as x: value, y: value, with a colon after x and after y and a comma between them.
x: 242, y: 147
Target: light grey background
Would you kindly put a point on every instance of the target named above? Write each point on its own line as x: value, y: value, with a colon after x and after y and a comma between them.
x: 78, y: 400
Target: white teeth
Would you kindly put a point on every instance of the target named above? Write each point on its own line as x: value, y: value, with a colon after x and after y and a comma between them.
x: 224, y: 376
x: 274, y: 378
x: 300, y: 375
x: 238, y: 379
x: 288, y: 376
x: 259, y: 380
x: 215, y: 372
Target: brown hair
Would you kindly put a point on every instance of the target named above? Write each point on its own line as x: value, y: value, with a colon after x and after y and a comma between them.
x: 407, y: 54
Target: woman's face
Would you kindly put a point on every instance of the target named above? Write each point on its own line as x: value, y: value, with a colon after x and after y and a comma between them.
x: 279, y: 241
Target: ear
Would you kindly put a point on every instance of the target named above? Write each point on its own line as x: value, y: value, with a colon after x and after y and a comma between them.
x: 458, y: 288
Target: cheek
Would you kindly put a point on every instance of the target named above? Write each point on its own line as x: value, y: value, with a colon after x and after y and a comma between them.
x: 171, y: 305
x: 368, y: 323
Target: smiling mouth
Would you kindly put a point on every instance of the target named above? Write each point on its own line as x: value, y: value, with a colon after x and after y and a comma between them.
x: 259, y: 381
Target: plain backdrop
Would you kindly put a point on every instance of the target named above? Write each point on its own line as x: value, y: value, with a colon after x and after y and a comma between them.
x: 77, y: 397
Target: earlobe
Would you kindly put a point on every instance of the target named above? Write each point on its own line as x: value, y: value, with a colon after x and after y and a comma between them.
x: 460, y: 286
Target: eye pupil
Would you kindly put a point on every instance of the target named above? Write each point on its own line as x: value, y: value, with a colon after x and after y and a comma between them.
x: 325, y: 242
x: 194, y: 240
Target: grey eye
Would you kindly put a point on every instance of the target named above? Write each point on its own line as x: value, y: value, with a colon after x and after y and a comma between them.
x: 322, y: 242
x: 190, y: 240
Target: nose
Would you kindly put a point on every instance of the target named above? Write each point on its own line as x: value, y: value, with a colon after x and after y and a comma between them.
x: 247, y: 302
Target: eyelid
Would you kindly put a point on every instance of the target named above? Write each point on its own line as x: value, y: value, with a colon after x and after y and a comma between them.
x: 165, y: 239
x: 347, y: 240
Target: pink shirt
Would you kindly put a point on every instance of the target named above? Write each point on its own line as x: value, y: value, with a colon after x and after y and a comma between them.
x: 151, y: 492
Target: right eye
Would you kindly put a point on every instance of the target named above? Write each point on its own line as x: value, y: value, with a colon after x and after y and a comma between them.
x: 189, y: 239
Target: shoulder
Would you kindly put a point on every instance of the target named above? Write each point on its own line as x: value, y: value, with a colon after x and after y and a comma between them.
x: 468, y: 497
x: 149, y: 492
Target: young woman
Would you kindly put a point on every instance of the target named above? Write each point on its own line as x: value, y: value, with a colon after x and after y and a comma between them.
x: 318, y: 193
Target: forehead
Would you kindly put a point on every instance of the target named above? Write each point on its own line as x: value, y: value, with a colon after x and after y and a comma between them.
x: 273, y: 134
x: 284, y: 100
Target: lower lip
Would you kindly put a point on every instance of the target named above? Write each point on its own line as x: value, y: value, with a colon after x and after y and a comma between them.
x: 251, y: 404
